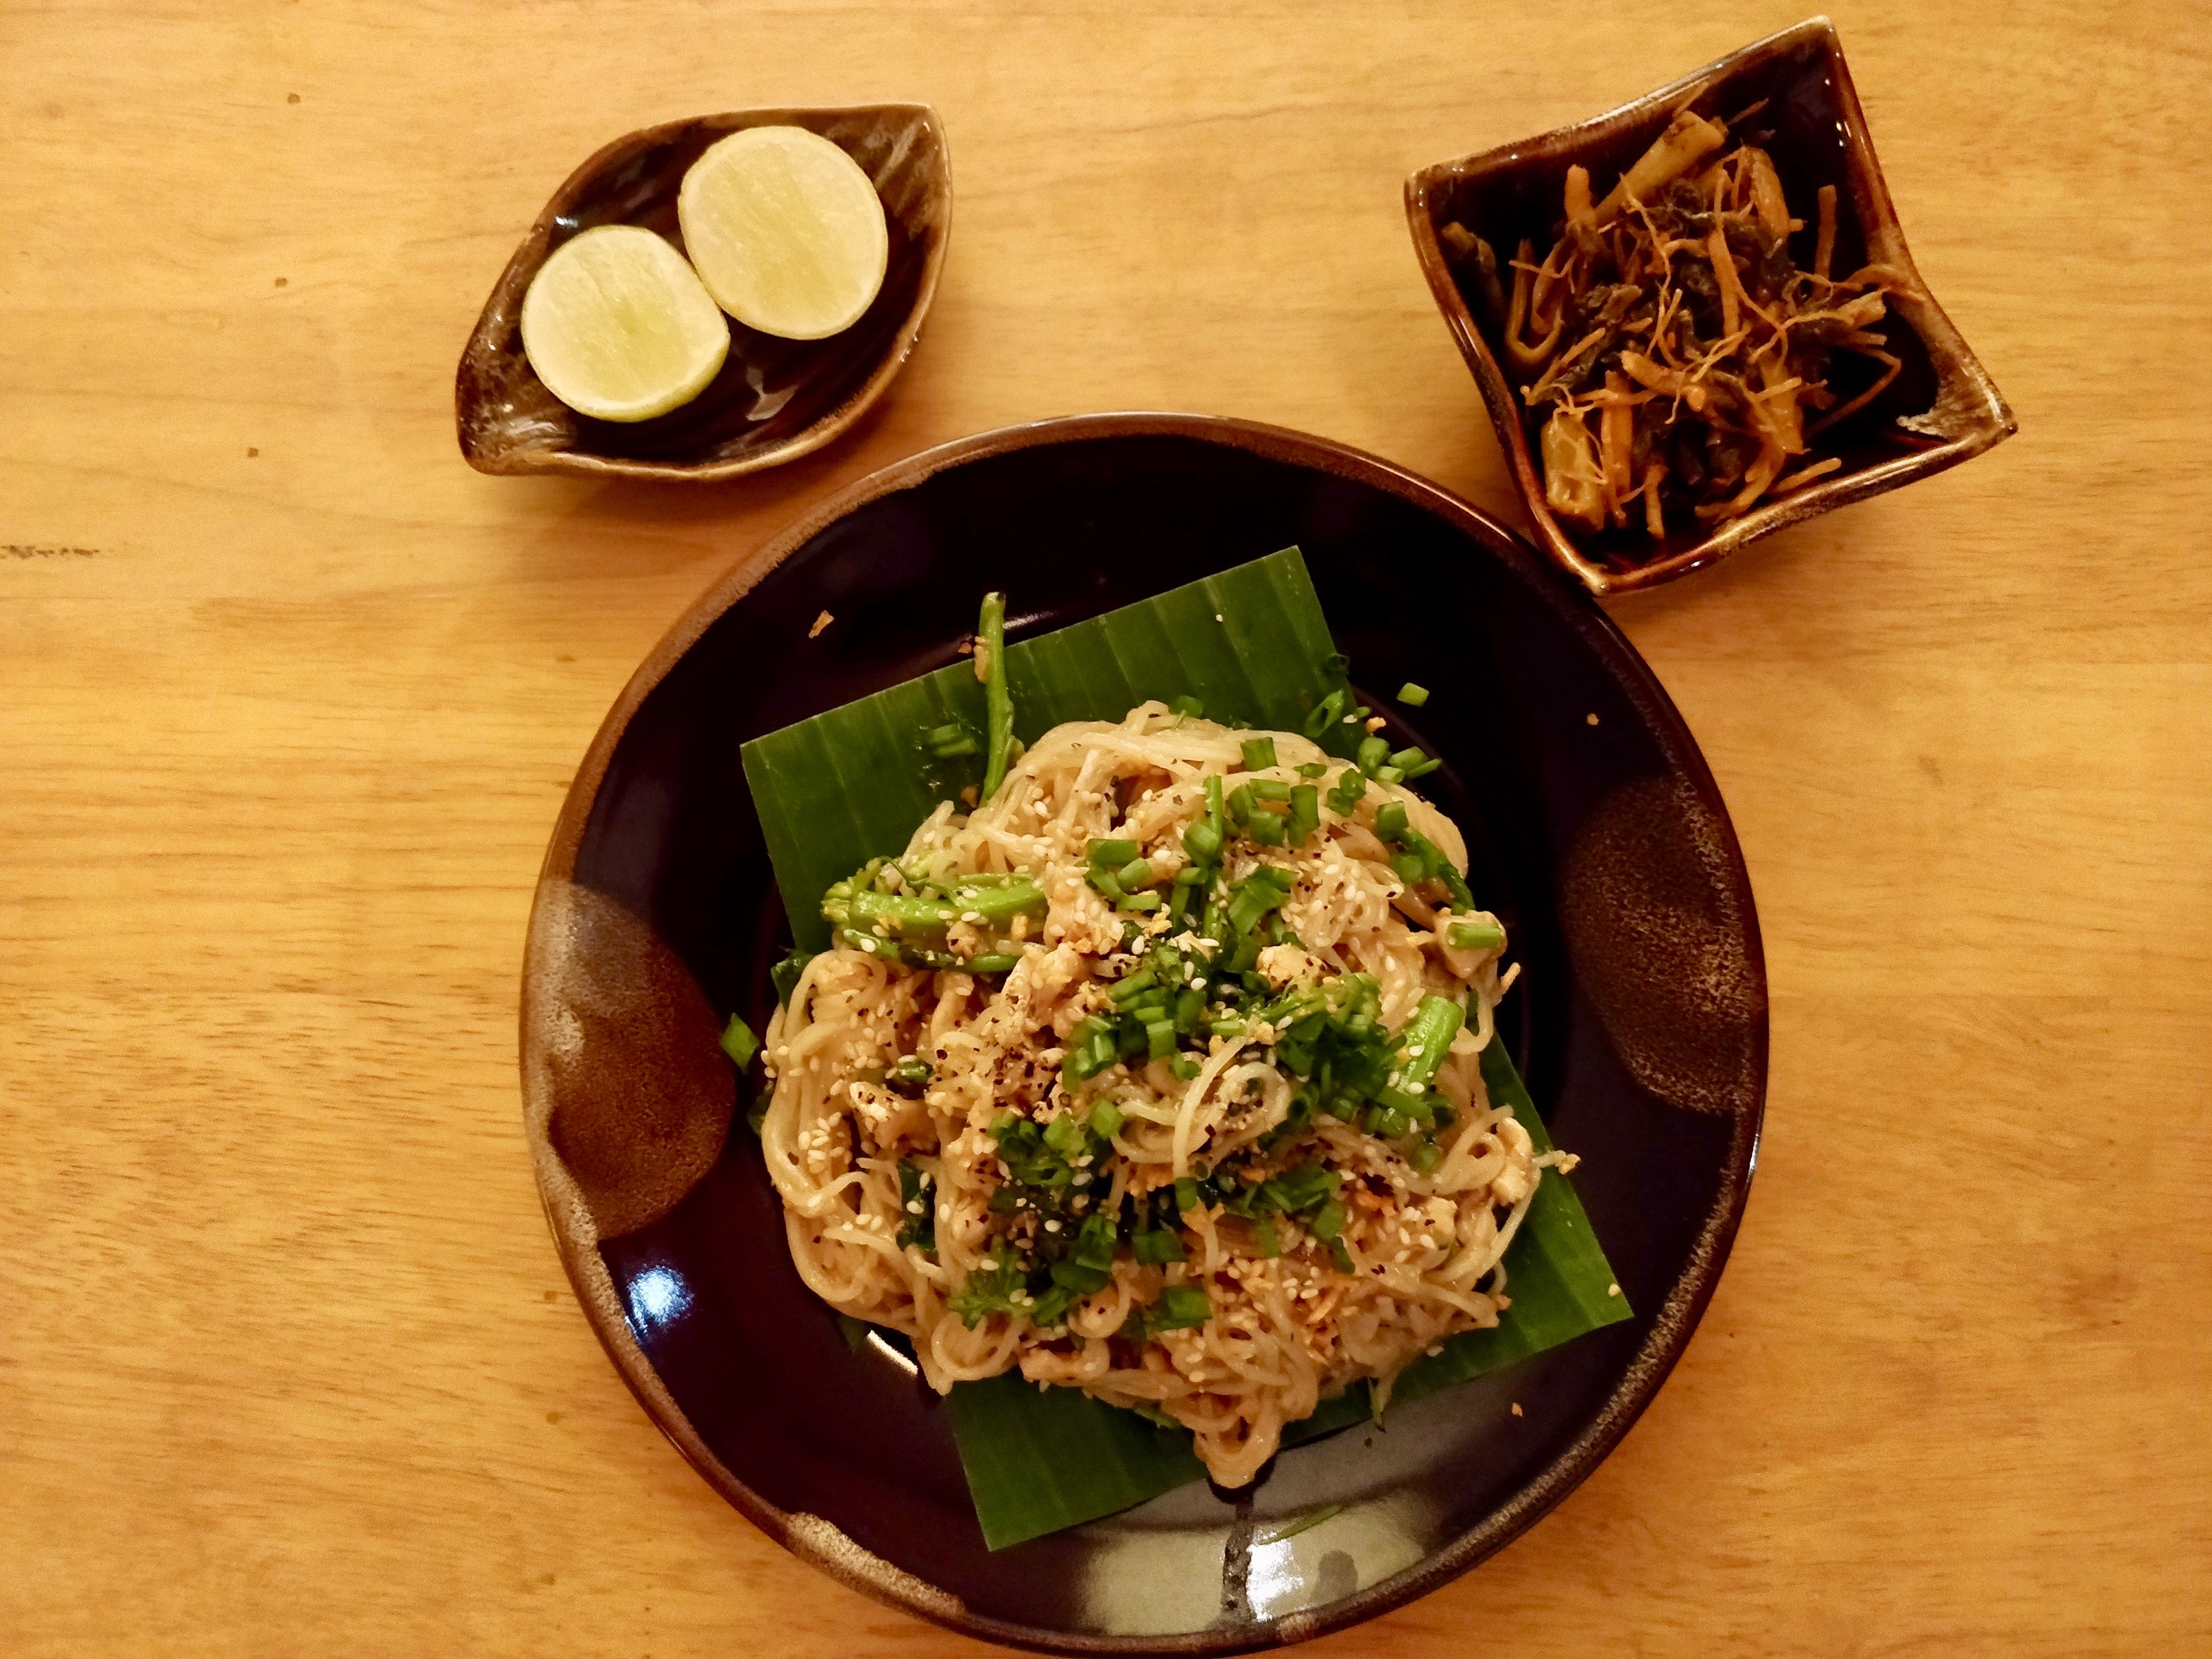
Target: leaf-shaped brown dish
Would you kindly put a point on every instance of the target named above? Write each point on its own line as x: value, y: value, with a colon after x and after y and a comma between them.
x: 1940, y: 409
x: 775, y: 399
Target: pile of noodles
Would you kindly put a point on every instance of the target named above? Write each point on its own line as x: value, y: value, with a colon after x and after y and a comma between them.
x: 1286, y: 1330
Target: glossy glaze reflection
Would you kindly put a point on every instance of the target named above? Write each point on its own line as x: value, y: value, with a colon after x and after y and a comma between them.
x: 749, y: 1373
x: 775, y: 399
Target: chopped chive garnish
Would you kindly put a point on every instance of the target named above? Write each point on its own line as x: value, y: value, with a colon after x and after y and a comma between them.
x: 1268, y: 829
x: 1424, y: 1156
x: 1475, y: 936
x: 1258, y: 754
x: 1136, y: 873
x: 1389, y: 774
x: 739, y: 1041
x: 1327, y: 1221
x: 1185, y: 1194
x: 1269, y: 789
x: 1373, y: 752
x: 1112, y: 854
x: 785, y: 975
x: 1305, y: 811
x: 1105, y: 1119
x: 1390, y: 820
x: 1313, y: 769
x: 1181, y: 1308
x: 1422, y: 770
x: 1341, y: 1255
x: 998, y: 701
x: 1413, y: 695
x: 1138, y: 902
x: 1157, y: 1246
x: 1127, y: 989
x: 1159, y: 1038
x: 1405, y: 759
x: 1189, y: 708
x: 1264, y: 1239
x: 1202, y: 842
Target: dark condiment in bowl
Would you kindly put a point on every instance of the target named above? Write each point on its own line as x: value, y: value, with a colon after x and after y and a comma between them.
x: 775, y: 399
x: 1939, y: 409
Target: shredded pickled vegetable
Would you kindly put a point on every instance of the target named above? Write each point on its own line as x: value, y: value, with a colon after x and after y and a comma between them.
x: 1677, y: 360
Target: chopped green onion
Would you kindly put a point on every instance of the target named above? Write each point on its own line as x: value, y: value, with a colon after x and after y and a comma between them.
x: 1105, y: 1119
x: 1189, y: 708
x: 1388, y: 775
x: 1183, y: 1066
x: 1306, y: 812
x: 1326, y: 713
x: 1390, y: 820
x: 1138, y: 902
x: 1269, y: 789
x: 998, y: 701
x: 1202, y: 842
x: 1373, y: 751
x: 1240, y: 803
x: 739, y: 1041
x: 1475, y: 936
x: 1412, y: 868
x: 1268, y: 828
x: 950, y: 740
x: 993, y: 963
x: 1136, y: 873
x: 1431, y: 1031
x: 1413, y: 695
x: 785, y: 975
x: 1340, y: 1253
x: 1181, y: 1307
x: 917, y: 1202
x: 1185, y: 1194
x: 1313, y: 769
x: 1265, y: 1241
x: 1113, y: 854
x: 1127, y: 990
x: 910, y: 1076
x: 1258, y: 754
x: 1327, y: 1221
x: 1405, y: 759
x: 1159, y: 1038
x: 1424, y: 1156
x: 1159, y: 1245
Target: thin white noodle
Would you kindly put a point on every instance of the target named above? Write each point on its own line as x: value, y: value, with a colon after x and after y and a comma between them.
x: 1286, y: 1331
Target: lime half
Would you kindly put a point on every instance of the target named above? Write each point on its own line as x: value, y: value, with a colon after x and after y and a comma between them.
x: 619, y: 328
x: 787, y: 231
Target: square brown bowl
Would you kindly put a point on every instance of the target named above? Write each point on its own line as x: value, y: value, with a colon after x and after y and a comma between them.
x: 1940, y: 410
x: 775, y: 399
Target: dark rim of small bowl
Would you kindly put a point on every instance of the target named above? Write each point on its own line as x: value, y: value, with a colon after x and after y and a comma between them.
x: 821, y: 1544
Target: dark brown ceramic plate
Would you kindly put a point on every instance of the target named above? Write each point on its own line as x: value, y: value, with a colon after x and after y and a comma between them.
x: 1594, y: 830
x: 775, y: 399
x: 1940, y: 411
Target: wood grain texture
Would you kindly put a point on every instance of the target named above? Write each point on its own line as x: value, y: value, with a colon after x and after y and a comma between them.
x: 291, y: 696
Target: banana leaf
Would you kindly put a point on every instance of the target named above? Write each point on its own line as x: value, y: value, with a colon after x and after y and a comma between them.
x: 850, y: 785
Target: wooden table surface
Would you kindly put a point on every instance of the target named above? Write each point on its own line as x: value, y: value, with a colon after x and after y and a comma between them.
x: 291, y: 697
